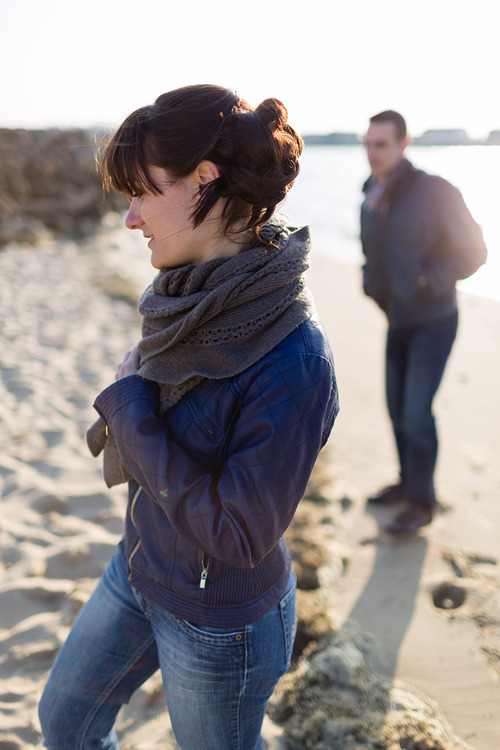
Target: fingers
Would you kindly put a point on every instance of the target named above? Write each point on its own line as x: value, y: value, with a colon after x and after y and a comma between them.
x: 129, y: 366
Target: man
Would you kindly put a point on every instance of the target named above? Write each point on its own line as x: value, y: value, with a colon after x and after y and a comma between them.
x: 418, y: 238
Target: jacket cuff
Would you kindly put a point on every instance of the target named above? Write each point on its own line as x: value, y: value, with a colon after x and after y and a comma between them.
x: 123, y: 392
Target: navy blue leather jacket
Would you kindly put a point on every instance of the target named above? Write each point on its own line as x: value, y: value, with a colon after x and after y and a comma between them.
x: 418, y: 247
x: 218, y: 478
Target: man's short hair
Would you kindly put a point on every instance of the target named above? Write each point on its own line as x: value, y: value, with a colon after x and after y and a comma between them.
x: 390, y: 115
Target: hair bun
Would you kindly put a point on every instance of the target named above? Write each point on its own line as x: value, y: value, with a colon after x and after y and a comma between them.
x: 256, y: 151
x: 274, y: 113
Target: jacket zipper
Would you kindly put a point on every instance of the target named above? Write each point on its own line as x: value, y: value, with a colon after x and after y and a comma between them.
x: 204, y: 570
x: 138, y: 543
x: 205, y: 561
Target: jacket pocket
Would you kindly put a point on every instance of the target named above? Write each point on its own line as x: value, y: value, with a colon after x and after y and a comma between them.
x: 205, y: 425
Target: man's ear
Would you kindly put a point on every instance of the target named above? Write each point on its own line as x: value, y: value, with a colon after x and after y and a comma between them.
x: 206, y: 172
x: 406, y: 141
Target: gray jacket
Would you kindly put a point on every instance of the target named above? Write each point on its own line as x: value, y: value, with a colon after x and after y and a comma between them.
x: 418, y: 241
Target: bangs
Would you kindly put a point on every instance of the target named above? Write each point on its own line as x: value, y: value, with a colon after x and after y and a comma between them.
x: 124, y: 164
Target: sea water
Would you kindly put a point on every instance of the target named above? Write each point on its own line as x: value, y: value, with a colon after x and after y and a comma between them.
x: 327, y: 196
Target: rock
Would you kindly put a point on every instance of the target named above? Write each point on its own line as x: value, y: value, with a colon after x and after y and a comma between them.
x: 24, y: 229
x: 340, y: 664
x: 338, y: 699
x: 49, y: 184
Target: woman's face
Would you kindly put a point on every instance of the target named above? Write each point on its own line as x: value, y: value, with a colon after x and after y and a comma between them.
x: 165, y: 219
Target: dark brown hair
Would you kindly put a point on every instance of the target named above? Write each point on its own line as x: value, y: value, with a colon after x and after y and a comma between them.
x: 256, y: 151
x: 390, y: 115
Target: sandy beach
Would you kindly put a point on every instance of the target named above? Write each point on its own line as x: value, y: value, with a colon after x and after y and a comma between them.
x: 389, y: 588
x: 415, y: 620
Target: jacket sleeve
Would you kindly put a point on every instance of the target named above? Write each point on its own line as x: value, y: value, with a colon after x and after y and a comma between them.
x: 460, y: 240
x: 236, y: 513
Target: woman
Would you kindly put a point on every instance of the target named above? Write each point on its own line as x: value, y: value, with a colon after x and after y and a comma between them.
x: 215, y: 420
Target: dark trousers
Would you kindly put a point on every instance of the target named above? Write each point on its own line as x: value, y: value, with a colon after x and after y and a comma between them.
x: 415, y: 362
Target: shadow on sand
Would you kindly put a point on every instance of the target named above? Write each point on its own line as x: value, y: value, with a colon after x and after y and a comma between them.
x: 385, y: 607
x: 342, y: 693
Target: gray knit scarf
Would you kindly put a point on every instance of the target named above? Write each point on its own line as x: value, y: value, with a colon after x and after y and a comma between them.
x: 215, y: 320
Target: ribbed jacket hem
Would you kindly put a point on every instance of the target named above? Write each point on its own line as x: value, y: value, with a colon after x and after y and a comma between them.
x: 224, y: 616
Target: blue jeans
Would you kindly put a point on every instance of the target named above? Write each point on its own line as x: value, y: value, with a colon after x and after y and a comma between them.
x: 415, y: 362
x: 217, y: 681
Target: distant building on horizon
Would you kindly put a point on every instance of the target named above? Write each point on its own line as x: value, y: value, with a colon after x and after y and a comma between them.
x: 333, y: 139
x: 432, y: 137
x: 493, y: 138
x: 444, y: 137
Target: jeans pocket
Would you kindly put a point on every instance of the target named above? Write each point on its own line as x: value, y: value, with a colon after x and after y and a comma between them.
x: 288, y: 611
x: 212, y: 636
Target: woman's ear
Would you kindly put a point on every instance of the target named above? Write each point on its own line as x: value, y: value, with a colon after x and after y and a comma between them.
x: 206, y: 172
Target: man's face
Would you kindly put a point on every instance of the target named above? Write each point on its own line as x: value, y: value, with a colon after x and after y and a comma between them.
x: 384, y: 149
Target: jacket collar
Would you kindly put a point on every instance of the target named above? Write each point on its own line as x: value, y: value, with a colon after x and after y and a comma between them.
x: 396, y: 180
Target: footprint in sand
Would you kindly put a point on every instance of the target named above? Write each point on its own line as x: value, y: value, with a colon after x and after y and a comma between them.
x: 448, y: 596
x: 27, y: 599
x: 53, y: 437
x: 474, y: 594
x: 80, y: 560
x: 471, y: 572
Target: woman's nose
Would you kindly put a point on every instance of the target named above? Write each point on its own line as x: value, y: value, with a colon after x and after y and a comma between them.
x: 133, y: 218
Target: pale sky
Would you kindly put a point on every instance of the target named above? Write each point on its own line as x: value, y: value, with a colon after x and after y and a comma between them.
x: 333, y: 64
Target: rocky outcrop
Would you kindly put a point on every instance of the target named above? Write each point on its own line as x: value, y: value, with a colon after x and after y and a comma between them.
x: 338, y: 699
x: 49, y: 183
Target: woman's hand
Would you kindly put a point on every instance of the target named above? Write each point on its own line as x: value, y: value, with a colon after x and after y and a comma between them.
x: 129, y: 366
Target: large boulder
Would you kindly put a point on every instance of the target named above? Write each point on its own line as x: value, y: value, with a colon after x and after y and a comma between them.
x: 49, y: 183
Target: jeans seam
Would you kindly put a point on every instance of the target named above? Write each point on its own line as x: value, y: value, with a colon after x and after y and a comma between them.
x: 284, y: 623
x: 105, y: 694
x: 243, y: 688
x: 287, y: 634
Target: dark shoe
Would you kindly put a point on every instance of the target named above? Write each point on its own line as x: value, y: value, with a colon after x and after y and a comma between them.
x: 388, y: 496
x: 410, y: 519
